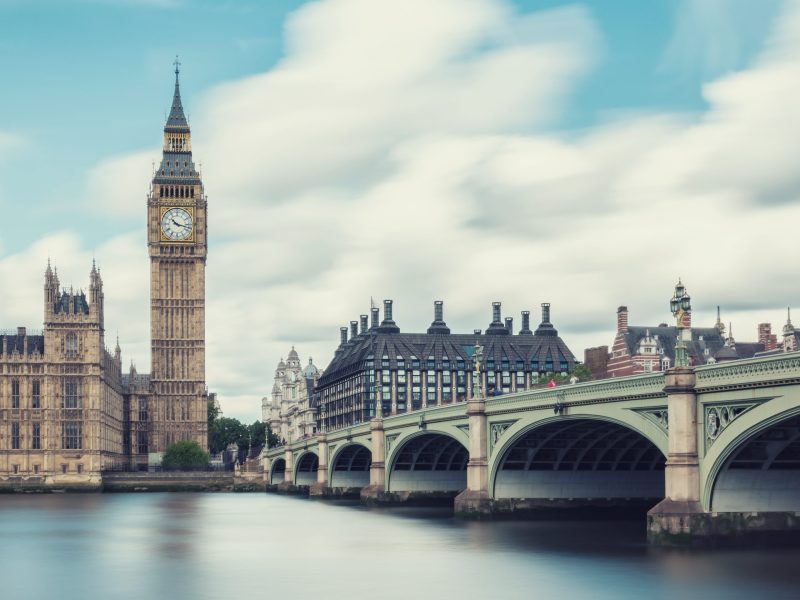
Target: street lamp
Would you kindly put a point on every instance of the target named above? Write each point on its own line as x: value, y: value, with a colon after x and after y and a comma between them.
x: 477, y: 357
x: 680, y: 305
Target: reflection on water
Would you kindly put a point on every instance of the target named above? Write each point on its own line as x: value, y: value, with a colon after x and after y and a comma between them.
x: 231, y: 545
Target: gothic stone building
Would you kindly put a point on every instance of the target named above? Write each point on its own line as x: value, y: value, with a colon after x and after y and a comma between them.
x: 67, y: 413
x: 291, y: 412
x: 411, y: 371
x: 61, y: 393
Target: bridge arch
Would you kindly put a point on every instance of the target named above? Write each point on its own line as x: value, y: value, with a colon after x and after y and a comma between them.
x: 428, y: 461
x: 277, y: 472
x: 754, y: 464
x: 579, y: 457
x: 305, y: 469
x: 349, y: 466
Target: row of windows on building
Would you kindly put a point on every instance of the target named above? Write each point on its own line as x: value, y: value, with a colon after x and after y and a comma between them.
x: 71, y: 436
x: 142, y: 442
x: 36, y: 469
x: 175, y: 191
x: 70, y: 398
x: 451, y: 381
x: 460, y: 364
x: 354, y: 400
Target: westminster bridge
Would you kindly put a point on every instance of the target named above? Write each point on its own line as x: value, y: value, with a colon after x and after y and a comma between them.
x: 714, y: 450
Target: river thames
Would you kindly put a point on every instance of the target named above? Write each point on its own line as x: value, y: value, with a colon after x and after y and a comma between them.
x: 153, y: 546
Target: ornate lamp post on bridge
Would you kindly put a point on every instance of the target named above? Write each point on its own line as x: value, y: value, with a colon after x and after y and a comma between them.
x: 681, y: 305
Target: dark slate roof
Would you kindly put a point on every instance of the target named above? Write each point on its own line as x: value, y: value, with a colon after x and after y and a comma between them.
x: 72, y: 304
x: 16, y: 342
x: 177, y: 119
x: 350, y: 358
x: 172, y: 171
x: 138, y: 381
x: 703, y: 338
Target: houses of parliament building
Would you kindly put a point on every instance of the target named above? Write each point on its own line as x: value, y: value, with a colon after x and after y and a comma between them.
x: 67, y: 411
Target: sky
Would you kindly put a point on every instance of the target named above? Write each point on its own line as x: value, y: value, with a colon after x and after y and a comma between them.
x: 585, y: 154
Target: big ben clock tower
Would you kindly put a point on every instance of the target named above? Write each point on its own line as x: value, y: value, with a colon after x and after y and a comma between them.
x: 177, y: 241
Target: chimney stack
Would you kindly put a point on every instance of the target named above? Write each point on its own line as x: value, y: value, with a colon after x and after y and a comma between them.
x: 353, y: 329
x: 388, y: 325
x: 476, y: 331
x: 622, y: 319
x: 510, y: 325
x: 546, y: 327
x: 375, y: 317
x: 438, y: 325
x: 387, y: 310
x: 496, y: 326
x: 364, y: 324
x: 526, y: 323
x: 545, y: 312
x: 343, y: 335
x: 21, y: 331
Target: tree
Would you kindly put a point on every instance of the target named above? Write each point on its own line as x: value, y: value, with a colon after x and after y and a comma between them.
x: 213, y: 412
x: 582, y: 372
x: 185, y: 456
x: 224, y: 431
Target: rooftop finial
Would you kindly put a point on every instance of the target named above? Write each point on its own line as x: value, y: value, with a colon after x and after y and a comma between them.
x: 177, y: 64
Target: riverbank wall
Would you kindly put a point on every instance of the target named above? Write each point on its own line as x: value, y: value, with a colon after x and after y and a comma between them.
x: 200, y: 481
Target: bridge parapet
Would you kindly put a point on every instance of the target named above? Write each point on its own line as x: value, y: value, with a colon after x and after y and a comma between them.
x: 590, y: 392
x: 751, y: 372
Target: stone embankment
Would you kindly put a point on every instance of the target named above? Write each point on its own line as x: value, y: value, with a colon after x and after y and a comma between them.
x: 200, y: 481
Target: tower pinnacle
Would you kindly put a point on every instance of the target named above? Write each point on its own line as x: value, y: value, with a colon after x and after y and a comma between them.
x: 176, y: 121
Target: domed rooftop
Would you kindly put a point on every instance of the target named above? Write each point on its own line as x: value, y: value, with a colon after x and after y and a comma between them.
x: 310, y: 371
x: 293, y: 354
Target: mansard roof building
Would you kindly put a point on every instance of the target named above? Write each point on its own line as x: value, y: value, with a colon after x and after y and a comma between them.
x: 411, y: 371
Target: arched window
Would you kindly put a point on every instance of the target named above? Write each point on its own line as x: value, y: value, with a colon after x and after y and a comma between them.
x: 72, y: 345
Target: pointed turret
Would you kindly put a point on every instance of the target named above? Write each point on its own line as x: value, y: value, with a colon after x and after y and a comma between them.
x: 96, y: 296
x: 177, y: 119
x: 720, y: 326
x: 789, y: 337
x: 176, y: 164
x: 50, y: 290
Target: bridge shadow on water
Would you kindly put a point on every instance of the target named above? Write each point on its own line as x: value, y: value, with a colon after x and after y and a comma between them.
x: 607, y: 539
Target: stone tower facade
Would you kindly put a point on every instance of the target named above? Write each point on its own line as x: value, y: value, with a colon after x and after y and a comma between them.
x: 61, y: 403
x: 177, y: 242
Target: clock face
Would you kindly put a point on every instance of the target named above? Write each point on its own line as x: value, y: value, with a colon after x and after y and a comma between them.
x: 177, y: 224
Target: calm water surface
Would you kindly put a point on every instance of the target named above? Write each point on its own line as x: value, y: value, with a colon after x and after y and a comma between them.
x: 239, y: 546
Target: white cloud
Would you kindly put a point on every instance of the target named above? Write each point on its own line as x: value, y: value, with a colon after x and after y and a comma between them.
x: 712, y: 37
x: 407, y: 158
